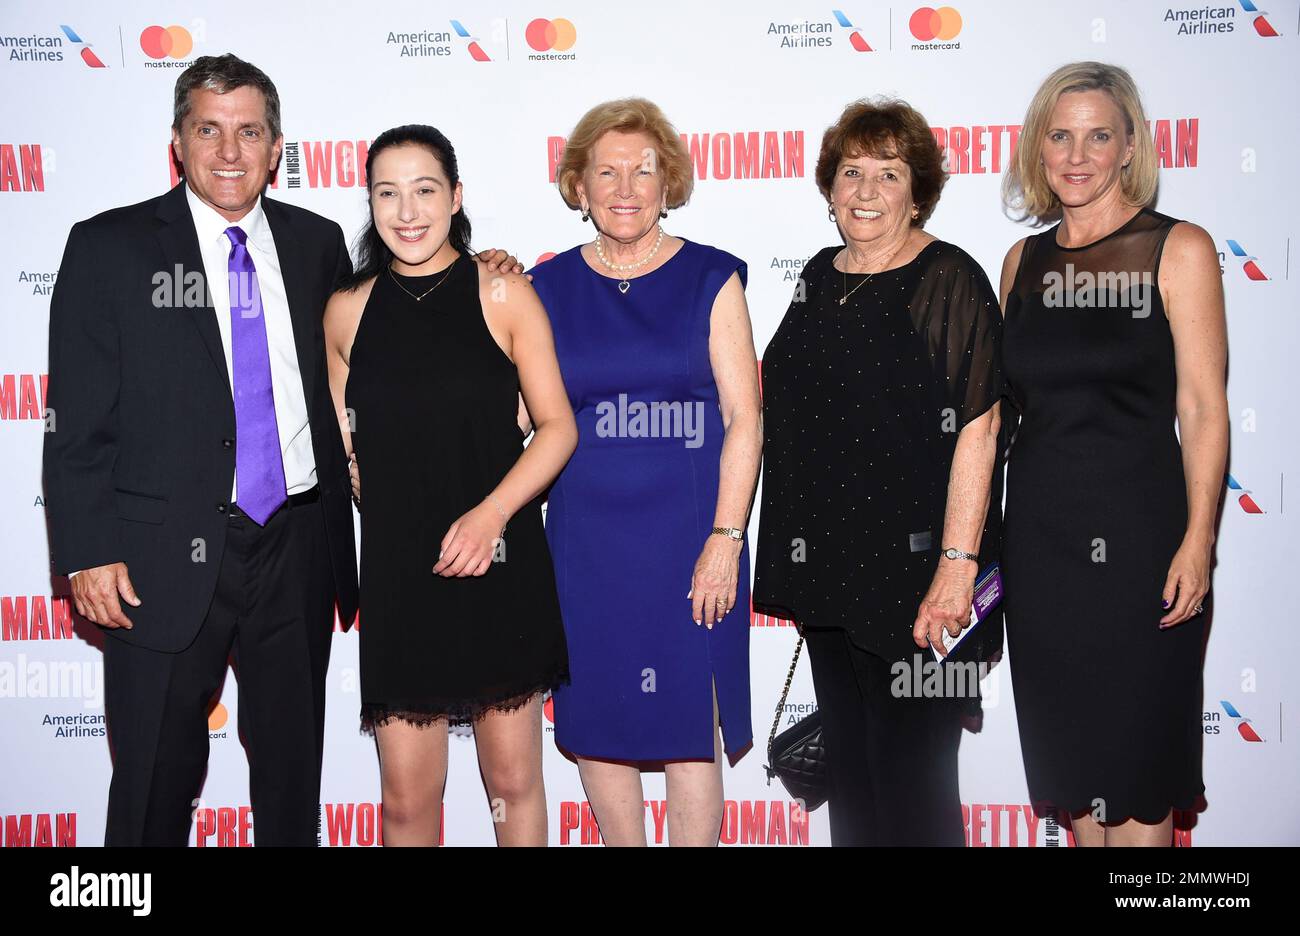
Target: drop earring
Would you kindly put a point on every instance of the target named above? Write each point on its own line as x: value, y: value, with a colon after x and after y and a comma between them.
x: 586, y: 215
x: 830, y: 211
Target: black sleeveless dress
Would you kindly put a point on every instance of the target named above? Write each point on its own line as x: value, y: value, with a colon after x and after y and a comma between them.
x: 1109, y: 705
x: 434, y: 401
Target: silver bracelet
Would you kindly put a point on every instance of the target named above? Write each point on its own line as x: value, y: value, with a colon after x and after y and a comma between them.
x: 497, y: 505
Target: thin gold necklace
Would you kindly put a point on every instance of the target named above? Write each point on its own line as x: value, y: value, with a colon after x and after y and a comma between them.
x: 427, y: 291
x: 848, y: 292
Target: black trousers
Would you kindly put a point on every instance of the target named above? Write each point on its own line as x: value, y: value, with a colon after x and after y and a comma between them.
x: 893, y: 760
x: 274, y: 607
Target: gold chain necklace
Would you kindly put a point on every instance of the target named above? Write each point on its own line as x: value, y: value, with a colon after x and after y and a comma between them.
x: 848, y: 292
x: 427, y: 291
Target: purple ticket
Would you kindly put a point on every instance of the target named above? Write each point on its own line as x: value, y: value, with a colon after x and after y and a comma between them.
x: 988, y: 592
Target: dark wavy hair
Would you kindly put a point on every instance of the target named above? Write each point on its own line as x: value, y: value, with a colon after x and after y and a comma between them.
x: 371, y: 251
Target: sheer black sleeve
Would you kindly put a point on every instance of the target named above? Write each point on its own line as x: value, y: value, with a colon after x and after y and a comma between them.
x: 955, y: 311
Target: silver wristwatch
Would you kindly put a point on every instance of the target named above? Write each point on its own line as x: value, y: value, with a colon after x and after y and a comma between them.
x: 951, y: 553
x: 730, y: 532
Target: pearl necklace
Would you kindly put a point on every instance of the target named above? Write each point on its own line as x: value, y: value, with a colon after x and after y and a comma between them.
x: 626, y: 268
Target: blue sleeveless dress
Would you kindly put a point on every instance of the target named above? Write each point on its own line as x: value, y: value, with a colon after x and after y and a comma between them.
x: 629, y: 514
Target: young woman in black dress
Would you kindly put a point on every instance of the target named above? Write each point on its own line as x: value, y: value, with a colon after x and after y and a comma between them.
x: 1109, y: 520
x: 428, y: 354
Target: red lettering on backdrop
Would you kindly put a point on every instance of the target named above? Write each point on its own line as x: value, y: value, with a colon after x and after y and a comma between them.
x: 1164, y: 148
x: 25, y: 172
x: 33, y: 168
x: 345, y: 155
x: 776, y: 832
x: 746, y: 156
x: 44, y: 837
x: 590, y: 832
x: 14, y: 619
x: 959, y: 147
x: 753, y: 822
x: 568, y: 820
x: 365, y: 824
x: 19, y: 398
x: 721, y: 156
x: 659, y: 815
x: 730, y: 827
x: 995, y: 131
x: 977, y: 148
x: 771, y: 156
x: 1188, y: 140
x: 794, y: 154
x: 699, y: 150
x: 995, y: 824
x: 8, y: 169
x: 338, y: 823
x: 318, y: 163
x: 1013, y: 825
x: 205, y: 823
x: 975, y: 822
x: 977, y: 825
x: 1031, y: 820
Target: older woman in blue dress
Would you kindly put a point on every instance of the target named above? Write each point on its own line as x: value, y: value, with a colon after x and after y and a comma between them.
x: 646, y: 522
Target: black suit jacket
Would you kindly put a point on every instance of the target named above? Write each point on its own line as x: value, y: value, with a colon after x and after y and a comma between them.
x: 141, y: 457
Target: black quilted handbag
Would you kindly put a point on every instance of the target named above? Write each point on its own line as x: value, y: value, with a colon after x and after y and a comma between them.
x: 796, y: 756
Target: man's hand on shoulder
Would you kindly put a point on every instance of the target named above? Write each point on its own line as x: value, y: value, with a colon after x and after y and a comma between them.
x: 500, y: 261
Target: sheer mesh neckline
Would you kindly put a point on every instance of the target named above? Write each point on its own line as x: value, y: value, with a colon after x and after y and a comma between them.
x: 1104, y: 237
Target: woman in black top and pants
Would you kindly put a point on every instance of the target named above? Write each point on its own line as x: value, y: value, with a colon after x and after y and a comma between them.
x: 881, y: 436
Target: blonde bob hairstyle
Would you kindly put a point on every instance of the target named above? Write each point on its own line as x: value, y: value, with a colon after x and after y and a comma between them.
x: 626, y: 115
x: 1025, y: 191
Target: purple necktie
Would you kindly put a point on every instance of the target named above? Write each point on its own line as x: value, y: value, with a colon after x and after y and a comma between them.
x: 259, y: 467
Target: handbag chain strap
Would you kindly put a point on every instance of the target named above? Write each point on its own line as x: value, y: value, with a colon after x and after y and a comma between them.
x: 780, y: 706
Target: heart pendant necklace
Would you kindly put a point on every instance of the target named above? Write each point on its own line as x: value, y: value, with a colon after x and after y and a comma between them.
x: 626, y: 268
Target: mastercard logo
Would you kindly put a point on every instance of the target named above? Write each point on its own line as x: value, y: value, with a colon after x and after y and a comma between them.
x: 218, y: 717
x: 174, y: 41
x: 544, y: 35
x: 928, y: 24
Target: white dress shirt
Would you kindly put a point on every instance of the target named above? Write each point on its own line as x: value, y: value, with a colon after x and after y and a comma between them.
x: 286, y: 380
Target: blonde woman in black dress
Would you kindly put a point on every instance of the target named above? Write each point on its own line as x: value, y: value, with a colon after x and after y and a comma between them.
x: 1109, y: 521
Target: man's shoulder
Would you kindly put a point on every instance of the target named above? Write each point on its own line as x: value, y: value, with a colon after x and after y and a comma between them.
x: 124, y: 217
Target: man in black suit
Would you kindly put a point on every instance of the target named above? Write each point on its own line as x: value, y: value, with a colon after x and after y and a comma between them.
x: 197, y: 485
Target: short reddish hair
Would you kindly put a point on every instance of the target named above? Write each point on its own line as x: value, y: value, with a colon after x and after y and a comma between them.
x: 885, y: 128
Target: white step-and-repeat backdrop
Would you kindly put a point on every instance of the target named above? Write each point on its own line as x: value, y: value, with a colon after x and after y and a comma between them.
x: 84, y: 126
